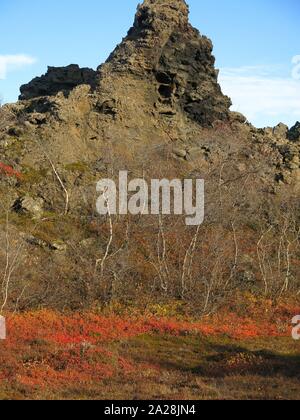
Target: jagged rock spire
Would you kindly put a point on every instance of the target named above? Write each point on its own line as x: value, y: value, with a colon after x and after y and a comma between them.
x: 154, y: 23
x: 163, y: 44
x: 164, y: 51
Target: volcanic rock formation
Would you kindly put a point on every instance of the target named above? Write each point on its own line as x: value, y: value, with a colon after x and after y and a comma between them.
x: 58, y: 79
x: 164, y: 47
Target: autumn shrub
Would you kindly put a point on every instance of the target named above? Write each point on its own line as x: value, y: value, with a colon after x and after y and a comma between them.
x: 52, y: 350
x: 9, y: 171
x: 247, y: 244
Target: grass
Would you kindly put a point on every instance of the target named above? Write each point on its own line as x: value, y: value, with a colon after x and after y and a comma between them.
x: 88, y: 356
x: 216, y: 368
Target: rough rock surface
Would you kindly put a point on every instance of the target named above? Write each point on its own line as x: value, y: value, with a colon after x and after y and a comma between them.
x: 164, y: 47
x: 27, y: 204
x: 294, y: 132
x: 58, y: 79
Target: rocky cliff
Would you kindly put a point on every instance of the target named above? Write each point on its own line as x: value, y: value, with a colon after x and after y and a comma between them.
x: 175, y: 58
x: 163, y: 50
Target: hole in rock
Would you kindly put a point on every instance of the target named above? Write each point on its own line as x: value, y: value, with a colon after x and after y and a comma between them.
x: 166, y: 91
x: 164, y: 78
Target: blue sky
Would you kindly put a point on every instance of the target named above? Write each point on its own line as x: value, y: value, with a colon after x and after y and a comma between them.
x: 254, y: 43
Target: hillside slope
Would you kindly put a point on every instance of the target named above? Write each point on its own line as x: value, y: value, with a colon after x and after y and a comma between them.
x: 155, y: 108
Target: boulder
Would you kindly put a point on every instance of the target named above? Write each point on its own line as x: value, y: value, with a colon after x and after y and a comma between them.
x: 180, y: 153
x: 58, y: 246
x: 280, y: 131
x: 29, y: 205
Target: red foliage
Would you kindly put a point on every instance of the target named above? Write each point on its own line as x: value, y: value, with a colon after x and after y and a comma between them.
x: 9, y: 171
x: 51, y: 350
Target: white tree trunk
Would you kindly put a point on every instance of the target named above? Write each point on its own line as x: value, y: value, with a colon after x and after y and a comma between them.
x: 2, y: 328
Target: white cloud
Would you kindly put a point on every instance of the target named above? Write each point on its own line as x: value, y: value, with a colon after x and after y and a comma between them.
x: 260, y: 94
x: 13, y: 62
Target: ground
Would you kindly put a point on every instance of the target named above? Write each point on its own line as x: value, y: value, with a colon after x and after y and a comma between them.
x: 106, y: 356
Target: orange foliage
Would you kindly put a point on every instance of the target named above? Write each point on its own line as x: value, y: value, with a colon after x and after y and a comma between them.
x: 9, y: 171
x: 46, y: 349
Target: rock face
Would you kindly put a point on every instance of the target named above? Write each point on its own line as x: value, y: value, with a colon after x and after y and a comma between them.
x: 280, y: 131
x: 58, y: 79
x: 294, y: 132
x: 163, y: 46
x: 162, y: 50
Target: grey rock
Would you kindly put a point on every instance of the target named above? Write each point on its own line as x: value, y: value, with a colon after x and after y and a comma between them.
x: 180, y: 153
x: 281, y: 131
x: 32, y: 206
x: 33, y: 240
x: 58, y: 246
x: 54, y: 246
